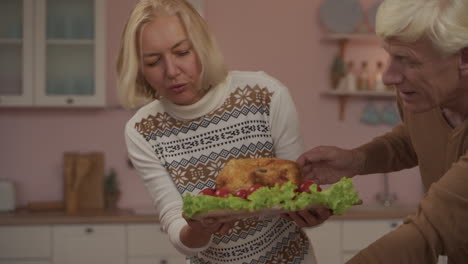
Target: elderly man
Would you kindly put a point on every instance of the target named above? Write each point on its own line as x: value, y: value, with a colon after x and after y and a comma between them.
x: 427, y: 42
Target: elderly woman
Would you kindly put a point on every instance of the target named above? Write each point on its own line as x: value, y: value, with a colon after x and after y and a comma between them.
x: 197, y: 116
x: 427, y: 41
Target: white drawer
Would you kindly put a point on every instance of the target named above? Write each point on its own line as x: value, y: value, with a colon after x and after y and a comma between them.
x: 157, y: 260
x: 358, y: 234
x: 326, y: 240
x: 25, y: 242
x: 149, y: 240
x: 89, y: 244
x: 24, y: 262
x: 347, y: 256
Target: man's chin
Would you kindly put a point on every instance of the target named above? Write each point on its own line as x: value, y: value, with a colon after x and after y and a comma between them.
x: 417, y: 108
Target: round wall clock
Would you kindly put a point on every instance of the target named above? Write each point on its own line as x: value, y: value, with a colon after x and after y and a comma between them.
x: 341, y: 16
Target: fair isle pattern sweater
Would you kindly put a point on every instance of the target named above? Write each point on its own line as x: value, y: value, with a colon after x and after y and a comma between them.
x: 181, y: 149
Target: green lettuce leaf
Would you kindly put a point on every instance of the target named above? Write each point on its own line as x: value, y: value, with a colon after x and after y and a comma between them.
x: 339, y: 197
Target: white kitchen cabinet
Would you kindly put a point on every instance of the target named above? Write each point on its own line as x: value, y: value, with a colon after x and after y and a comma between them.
x: 91, y: 244
x: 326, y: 240
x: 16, y: 52
x: 156, y: 260
x: 21, y: 243
x: 52, y: 53
x: 148, y: 244
x: 24, y: 262
x: 358, y: 234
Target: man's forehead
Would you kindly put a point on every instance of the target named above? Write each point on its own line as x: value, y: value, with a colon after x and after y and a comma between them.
x: 420, y: 45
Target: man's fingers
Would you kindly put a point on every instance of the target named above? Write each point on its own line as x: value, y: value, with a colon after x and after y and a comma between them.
x: 317, y: 154
x: 302, y: 160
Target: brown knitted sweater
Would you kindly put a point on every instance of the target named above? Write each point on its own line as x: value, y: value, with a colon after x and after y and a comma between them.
x: 440, y: 226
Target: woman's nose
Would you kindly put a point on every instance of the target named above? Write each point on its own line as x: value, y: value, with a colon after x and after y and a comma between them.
x: 172, y: 69
x: 392, y: 75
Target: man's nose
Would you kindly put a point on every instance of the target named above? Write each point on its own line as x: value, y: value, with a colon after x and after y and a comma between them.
x: 392, y: 75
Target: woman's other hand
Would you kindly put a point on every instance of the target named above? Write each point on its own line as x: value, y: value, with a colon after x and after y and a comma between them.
x: 310, y: 217
x: 198, y: 232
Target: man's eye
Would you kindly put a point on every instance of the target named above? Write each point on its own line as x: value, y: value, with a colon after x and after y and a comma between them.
x: 400, y: 58
x: 405, y: 60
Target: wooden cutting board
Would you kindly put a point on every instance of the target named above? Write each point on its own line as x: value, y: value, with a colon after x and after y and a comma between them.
x: 83, y: 180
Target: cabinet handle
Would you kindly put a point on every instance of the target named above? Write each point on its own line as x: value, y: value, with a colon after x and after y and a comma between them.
x: 70, y: 101
x: 89, y: 230
x: 163, y: 261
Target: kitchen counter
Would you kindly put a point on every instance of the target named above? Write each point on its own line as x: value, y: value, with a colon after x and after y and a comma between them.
x: 85, y: 217
x: 122, y: 216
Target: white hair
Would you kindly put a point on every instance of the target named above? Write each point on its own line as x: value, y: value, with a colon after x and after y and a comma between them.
x: 444, y: 22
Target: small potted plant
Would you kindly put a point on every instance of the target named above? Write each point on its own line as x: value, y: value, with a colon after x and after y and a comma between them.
x: 111, y: 190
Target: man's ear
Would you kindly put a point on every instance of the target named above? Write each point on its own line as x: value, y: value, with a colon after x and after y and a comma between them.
x: 464, y: 62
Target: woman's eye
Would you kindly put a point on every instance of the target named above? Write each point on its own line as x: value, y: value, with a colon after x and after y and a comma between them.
x: 182, y: 53
x: 152, y: 63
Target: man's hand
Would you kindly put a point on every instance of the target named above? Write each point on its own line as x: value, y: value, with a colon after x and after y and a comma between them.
x: 327, y: 165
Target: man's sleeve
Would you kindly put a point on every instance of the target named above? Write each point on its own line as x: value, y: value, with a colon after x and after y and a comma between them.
x: 391, y: 152
x: 439, y: 227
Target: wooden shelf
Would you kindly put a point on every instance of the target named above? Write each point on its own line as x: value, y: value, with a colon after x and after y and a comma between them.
x: 351, y: 36
x: 10, y: 41
x: 390, y: 94
x: 70, y: 41
x: 343, y: 97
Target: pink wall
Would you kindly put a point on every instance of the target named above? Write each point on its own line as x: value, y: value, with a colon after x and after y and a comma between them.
x: 284, y: 40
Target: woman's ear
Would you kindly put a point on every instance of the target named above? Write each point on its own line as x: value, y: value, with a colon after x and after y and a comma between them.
x: 464, y: 62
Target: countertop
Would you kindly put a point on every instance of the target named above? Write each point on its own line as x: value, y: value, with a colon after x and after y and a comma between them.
x: 128, y: 216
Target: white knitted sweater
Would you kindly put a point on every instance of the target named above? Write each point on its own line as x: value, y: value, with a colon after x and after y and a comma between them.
x: 181, y: 149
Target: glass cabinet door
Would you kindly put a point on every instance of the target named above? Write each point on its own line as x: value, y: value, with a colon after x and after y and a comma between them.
x: 16, y: 35
x: 66, y: 61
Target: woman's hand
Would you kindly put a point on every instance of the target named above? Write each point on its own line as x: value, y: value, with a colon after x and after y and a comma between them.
x: 310, y: 217
x: 327, y: 165
x: 198, y: 232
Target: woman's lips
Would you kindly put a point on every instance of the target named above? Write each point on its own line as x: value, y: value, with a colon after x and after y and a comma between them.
x: 178, y: 88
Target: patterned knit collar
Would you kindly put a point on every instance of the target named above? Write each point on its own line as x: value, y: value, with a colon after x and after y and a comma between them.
x: 209, y: 102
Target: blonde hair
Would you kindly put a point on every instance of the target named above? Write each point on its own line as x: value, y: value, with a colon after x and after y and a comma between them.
x: 444, y: 22
x: 133, y: 89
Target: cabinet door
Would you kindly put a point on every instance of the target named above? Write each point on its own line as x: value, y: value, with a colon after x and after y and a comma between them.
x: 149, y: 240
x: 25, y: 262
x: 348, y: 256
x: 326, y: 240
x: 25, y: 242
x: 94, y: 244
x: 16, y: 52
x: 70, y: 53
x: 157, y: 260
x: 358, y: 234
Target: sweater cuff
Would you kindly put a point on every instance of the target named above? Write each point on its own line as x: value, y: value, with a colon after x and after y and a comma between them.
x: 175, y: 229
x: 375, y: 156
